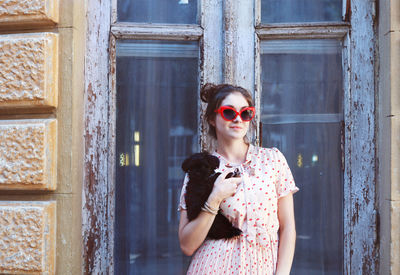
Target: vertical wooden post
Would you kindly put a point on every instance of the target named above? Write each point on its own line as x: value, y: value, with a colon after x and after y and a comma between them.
x: 360, y: 230
x: 96, y: 250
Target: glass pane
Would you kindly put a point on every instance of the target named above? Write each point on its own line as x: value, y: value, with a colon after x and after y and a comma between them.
x: 157, y: 84
x: 302, y: 114
x: 158, y: 11
x: 296, y: 11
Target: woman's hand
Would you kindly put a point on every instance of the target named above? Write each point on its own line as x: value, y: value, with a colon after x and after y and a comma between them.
x: 223, y: 188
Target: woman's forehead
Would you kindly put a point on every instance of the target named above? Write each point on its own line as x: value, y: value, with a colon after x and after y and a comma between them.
x: 235, y: 99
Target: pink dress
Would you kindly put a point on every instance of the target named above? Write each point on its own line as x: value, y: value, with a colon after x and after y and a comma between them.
x: 253, y: 209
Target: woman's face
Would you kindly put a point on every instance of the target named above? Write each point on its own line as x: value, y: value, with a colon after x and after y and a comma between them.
x: 237, y: 128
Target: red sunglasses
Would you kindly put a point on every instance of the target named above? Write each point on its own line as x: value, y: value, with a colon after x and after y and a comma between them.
x: 229, y: 113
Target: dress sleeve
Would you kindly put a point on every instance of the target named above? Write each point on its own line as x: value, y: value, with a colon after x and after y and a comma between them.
x: 182, y: 202
x: 285, y: 183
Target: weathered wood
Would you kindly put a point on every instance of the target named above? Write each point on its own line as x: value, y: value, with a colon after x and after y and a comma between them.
x: 95, y: 219
x: 361, y: 248
x: 112, y: 120
x: 257, y: 89
x: 312, y: 31
x: 156, y: 31
x: 114, y: 11
x: 239, y: 48
x: 239, y: 43
x: 211, y: 58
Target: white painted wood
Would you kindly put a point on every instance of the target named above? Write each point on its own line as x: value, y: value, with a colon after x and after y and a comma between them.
x: 211, y: 58
x: 112, y: 107
x: 347, y: 151
x: 239, y: 48
x: 230, y: 52
x: 257, y: 88
x: 361, y: 218
x: 230, y: 30
x: 239, y: 43
x: 114, y: 11
x: 95, y: 219
x: 257, y: 12
x: 311, y: 31
x: 156, y: 31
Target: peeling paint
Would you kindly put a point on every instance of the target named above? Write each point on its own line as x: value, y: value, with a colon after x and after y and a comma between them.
x: 95, y: 190
x: 360, y: 210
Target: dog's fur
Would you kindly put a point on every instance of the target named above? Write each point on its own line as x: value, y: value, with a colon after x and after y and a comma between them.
x: 201, y: 170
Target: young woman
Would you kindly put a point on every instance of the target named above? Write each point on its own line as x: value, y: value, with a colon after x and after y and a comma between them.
x: 260, y: 202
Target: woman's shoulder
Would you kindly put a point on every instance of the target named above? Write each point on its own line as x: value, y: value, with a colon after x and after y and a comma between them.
x: 260, y: 149
x: 271, y: 152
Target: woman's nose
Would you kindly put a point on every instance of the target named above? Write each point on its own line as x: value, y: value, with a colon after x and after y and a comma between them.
x: 238, y: 119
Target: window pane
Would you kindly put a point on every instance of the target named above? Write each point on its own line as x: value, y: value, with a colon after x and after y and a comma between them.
x: 302, y: 114
x: 296, y: 11
x: 157, y: 84
x: 158, y: 11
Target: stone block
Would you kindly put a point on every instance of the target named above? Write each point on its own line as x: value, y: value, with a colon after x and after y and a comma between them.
x: 394, y: 15
x: 28, y: 154
x: 27, y: 237
x: 28, y: 12
x: 28, y: 70
x: 395, y: 67
x: 395, y: 240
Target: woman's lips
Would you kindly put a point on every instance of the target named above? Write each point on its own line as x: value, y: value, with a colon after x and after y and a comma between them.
x: 236, y: 128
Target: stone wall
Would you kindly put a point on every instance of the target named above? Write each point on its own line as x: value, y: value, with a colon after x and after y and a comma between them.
x: 41, y: 80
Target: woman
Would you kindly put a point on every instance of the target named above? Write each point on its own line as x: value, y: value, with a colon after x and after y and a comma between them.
x: 260, y: 202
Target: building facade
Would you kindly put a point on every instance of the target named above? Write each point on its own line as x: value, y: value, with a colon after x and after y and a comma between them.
x: 99, y: 106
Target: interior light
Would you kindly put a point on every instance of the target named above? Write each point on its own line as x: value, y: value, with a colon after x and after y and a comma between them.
x: 137, y: 154
x: 136, y: 136
x: 299, y: 160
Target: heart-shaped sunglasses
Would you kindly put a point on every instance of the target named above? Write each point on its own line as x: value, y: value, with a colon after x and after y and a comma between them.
x: 229, y: 113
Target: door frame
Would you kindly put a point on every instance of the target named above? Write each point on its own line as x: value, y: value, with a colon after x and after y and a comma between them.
x: 230, y: 64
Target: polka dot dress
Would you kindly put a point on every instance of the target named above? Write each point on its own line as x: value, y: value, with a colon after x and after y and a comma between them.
x: 254, y: 209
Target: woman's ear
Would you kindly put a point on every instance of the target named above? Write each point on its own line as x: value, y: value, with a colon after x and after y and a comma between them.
x: 212, y: 122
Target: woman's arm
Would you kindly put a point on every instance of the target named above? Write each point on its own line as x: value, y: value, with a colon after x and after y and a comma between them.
x: 193, y: 233
x: 287, y: 234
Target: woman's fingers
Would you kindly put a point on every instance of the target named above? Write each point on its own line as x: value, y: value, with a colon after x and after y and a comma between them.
x: 236, y: 181
x: 226, y: 187
x: 222, y: 176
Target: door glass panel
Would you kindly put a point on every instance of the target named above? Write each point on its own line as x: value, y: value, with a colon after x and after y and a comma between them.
x: 296, y: 11
x: 302, y: 114
x: 158, y: 11
x: 156, y: 129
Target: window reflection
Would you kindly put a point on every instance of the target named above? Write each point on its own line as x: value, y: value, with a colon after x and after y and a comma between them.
x: 296, y: 11
x: 158, y: 11
x: 302, y: 114
x: 156, y: 130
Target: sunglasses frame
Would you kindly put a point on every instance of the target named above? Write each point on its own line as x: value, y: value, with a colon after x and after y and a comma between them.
x: 223, y: 108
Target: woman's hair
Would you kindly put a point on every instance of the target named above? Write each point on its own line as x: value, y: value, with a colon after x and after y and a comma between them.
x: 214, y: 95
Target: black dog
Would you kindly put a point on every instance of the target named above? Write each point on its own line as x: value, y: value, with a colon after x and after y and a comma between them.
x: 200, y: 168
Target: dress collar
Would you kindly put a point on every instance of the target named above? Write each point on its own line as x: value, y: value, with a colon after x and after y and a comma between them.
x: 249, y: 154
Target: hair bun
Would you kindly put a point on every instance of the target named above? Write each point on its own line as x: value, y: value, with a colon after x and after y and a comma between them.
x: 207, y: 92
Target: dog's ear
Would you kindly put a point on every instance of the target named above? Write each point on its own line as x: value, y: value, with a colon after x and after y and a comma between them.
x: 187, y: 164
x: 192, y: 161
x: 203, y: 160
x: 213, y: 161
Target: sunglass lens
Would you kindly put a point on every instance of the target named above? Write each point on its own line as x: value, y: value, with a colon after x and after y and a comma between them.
x: 247, y: 115
x: 229, y: 114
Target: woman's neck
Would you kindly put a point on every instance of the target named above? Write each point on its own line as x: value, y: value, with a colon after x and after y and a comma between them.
x: 235, y: 151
